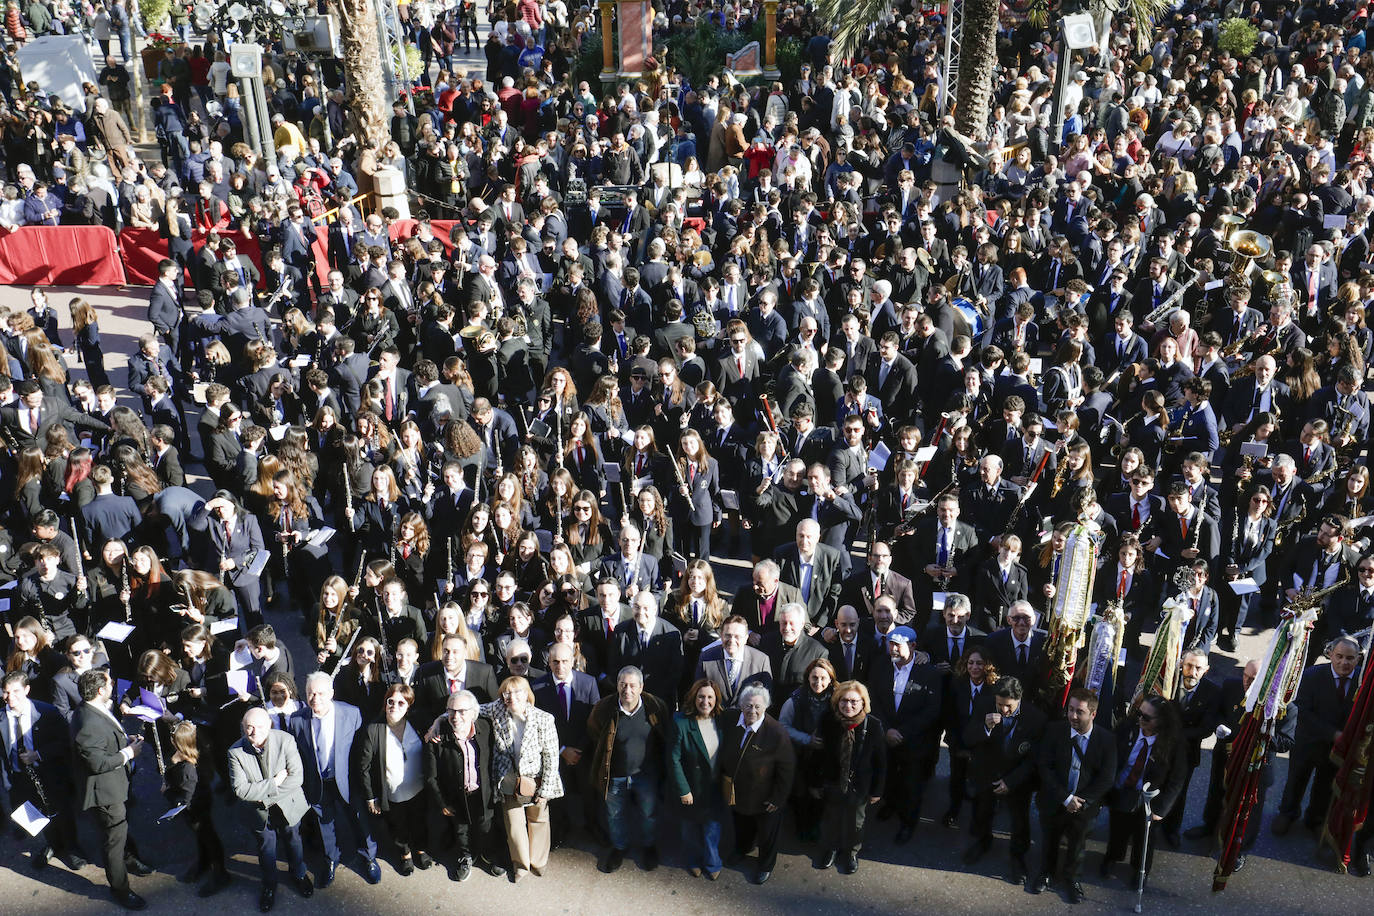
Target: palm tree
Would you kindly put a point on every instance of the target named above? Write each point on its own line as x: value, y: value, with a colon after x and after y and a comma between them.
x: 851, y: 20
x: 368, y: 111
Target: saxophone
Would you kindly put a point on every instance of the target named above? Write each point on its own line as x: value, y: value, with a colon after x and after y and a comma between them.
x: 1284, y: 526
x: 1246, y: 464
x: 1061, y: 474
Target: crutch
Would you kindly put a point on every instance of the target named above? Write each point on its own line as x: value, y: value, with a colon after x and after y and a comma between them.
x: 1147, y: 794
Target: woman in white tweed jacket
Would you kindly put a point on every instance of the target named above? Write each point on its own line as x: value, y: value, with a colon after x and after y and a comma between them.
x: 524, y: 768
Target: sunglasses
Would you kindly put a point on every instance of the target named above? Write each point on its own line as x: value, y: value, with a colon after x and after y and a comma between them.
x: 88, y: 650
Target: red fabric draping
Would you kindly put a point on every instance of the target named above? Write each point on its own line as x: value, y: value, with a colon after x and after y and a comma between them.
x: 60, y: 256
x: 142, y: 249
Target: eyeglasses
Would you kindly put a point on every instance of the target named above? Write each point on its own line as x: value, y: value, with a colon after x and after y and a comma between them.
x: 1019, y: 618
x: 366, y: 653
x: 519, y: 660
x: 480, y: 594
x: 392, y: 703
x: 465, y: 711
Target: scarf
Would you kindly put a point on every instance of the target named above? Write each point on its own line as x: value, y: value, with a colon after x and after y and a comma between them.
x: 852, y: 733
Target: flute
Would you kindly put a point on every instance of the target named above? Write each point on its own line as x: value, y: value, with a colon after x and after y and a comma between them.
x: 343, y: 656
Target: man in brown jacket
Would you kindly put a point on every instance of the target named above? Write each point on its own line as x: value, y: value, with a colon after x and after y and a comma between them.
x: 757, y: 765
x: 626, y: 741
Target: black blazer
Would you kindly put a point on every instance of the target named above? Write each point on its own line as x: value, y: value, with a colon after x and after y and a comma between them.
x: 1002, y: 650
x: 991, y: 596
x: 1096, y: 773
x: 997, y: 758
x: 431, y: 686
x: 918, y: 718
x: 761, y: 768
x: 1201, y: 714
x: 1322, y: 711
x: 867, y: 762
x: 102, y: 777
x: 1165, y: 769
x: 444, y: 773
x: 369, y: 759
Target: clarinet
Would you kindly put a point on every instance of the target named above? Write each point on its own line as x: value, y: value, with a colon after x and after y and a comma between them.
x: 285, y: 548
x: 343, y: 656
x: 157, y: 751
x: 1197, y: 530
x: 124, y: 589
x: 558, y: 430
x: 348, y: 498
x: 381, y: 634
x: 32, y: 773
x: 448, y: 545
x: 558, y: 515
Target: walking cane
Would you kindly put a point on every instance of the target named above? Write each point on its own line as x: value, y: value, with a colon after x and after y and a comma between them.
x: 1148, y: 795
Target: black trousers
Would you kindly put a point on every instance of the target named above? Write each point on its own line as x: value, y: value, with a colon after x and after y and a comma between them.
x: 113, y: 821
x: 1174, y: 819
x: 1018, y: 807
x: 764, y: 829
x: 1216, y: 798
x: 906, y: 781
x: 1128, y: 828
x: 1058, y: 826
x: 958, y: 779
x: 1309, y: 763
x: 408, y: 826
x: 842, y: 823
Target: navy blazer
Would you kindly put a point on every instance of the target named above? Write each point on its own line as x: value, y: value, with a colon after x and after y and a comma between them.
x: 583, y: 695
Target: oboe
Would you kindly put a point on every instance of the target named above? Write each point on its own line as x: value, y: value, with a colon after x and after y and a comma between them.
x: 285, y: 546
x: 381, y: 633
x: 32, y: 773
x: 157, y: 751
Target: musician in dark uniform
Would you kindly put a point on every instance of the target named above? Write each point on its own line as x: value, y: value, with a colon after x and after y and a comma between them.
x: 232, y: 544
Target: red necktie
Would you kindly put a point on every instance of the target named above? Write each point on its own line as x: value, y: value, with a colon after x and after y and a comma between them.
x: 1183, y: 520
x: 1135, y: 516
x: 390, y: 397
x: 33, y: 419
x: 739, y: 361
x: 1138, y: 768
x: 228, y: 533
x: 1121, y: 586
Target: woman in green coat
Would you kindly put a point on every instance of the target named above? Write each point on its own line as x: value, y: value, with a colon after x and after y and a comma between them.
x: 693, y: 768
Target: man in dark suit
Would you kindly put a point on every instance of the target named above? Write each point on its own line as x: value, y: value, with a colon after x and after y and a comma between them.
x: 908, y: 699
x: 1003, y: 743
x: 1233, y: 693
x: 939, y: 556
x: 757, y: 765
x: 37, y: 768
x: 892, y: 378
x: 733, y: 665
x: 999, y: 581
x: 850, y: 650
x: 866, y: 585
x: 1122, y: 347
x: 635, y: 570
x: 651, y: 644
x: 103, y: 753
x: 989, y: 504
x: 1077, y: 765
x: 28, y: 419
x: 817, y: 571
x: 1199, y: 707
x: 164, y: 305
x: 435, y: 682
x: 325, y: 730
x: 1325, y: 695
x: 1314, y: 281
x: 1017, y: 648
x: 947, y: 640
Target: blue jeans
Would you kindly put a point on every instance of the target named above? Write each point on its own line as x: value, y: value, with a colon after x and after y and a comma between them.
x: 625, y: 795
x: 701, y: 842
x: 268, y: 839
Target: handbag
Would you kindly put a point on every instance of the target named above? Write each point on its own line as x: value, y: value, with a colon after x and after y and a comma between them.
x: 520, y: 788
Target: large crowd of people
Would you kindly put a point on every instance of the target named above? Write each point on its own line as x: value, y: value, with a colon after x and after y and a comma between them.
x: 488, y: 460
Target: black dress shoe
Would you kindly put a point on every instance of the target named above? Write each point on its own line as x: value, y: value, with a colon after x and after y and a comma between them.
x: 1198, y: 832
x: 129, y: 900
x: 217, y: 882
x: 1172, y: 838
x: 304, y: 886
x: 650, y: 860
x: 763, y: 877
x: 904, y: 834
x: 327, y: 876
x: 423, y: 861
x: 1040, y: 884
x: 1016, y: 873
x: 41, y: 858
x: 267, y: 899
x: 826, y: 861
x: 1227, y: 642
x: 950, y: 818
x: 849, y: 864
x: 614, y: 859
x: 496, y: 871
x: 372, y: 871
x: 137, y: 867
x: 1075, y: 892
x: 75, y: 861
x: 406, y: 868
x: 1359, y: 865
x: 463, y: 871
